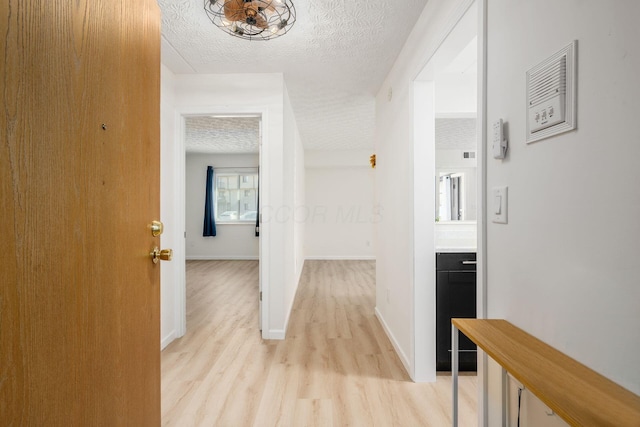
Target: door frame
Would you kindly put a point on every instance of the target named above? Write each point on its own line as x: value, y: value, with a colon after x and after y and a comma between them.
x: 423, y: 331
x: 180, y: 300
x: 481, y: 256
x: 423, y: 337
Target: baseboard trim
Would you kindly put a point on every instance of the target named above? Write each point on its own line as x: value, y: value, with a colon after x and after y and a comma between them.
x: 394, y: 342
x: 167, y: 340
x: 342, y: 258
x: 276, y: 334
x: 221, y: 258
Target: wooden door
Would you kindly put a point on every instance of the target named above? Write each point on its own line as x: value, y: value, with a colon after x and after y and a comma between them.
x: 79, y: 186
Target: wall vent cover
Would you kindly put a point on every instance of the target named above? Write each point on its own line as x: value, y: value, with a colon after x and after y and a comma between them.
x: 551, y: 95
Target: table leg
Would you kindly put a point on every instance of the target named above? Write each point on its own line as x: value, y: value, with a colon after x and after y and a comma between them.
x: 505, y: 398
x: 454, y: 372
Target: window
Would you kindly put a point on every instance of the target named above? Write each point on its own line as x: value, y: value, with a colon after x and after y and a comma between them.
x: 236, y: 196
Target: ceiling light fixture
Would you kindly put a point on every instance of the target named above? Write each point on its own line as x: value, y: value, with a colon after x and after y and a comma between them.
x: 252, y: 19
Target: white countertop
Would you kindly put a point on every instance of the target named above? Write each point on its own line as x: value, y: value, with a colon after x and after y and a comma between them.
x: 456, y: 236
x: 454, y: 249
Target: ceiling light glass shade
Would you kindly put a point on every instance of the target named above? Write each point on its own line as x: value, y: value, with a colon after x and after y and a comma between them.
x: 252, y: 19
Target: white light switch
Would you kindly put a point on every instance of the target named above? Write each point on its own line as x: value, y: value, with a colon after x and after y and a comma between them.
x: 500, y: 205
x: 497, y: 202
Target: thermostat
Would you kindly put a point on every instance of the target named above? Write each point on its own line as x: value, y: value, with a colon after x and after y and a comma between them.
x: 499, y: 141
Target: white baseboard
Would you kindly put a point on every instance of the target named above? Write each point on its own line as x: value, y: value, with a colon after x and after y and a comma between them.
x: 164, y: 342
x: 341, y: 258
x: 276, y: 334
x: 221, y: 258
x: 403, y: 357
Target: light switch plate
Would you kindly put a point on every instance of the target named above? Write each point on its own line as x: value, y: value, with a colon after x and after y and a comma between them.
x: 499, y: 204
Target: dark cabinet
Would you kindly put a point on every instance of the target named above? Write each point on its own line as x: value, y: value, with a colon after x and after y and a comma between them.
x: 455, y: 297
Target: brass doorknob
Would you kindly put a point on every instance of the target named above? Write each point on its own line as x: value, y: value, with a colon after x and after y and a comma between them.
x: 164, y: 254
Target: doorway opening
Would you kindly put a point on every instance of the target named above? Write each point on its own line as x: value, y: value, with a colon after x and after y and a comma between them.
x: 448, y: 173
x: 229, y: 144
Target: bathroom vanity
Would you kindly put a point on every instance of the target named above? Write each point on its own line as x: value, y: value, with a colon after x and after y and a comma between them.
x: 455, y: 298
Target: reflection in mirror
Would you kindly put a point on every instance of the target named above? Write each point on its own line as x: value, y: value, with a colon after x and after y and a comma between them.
x: 456, y: 194
x: 449, y: 206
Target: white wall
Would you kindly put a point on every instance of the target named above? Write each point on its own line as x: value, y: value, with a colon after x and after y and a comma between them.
x: 340, y: 213
x: 396, y: 248
x: 564, y: 268
x: 232, y: 241
x: 456, y: 93
x: 246, y: 93
x: 300, y: 229
x: 293, y: 197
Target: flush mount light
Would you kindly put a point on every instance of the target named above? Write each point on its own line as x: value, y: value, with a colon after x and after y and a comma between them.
x: 252, y: 19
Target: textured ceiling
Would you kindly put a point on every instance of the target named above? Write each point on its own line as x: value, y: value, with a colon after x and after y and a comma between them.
x: 456, y: 134
x: 207, y: 134
x: 334, y: 60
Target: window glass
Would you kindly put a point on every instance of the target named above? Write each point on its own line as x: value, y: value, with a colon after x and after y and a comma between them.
x: 236, y: 196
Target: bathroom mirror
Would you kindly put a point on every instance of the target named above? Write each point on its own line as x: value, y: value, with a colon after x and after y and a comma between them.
x: 456, y: 166
x: 456, y: 195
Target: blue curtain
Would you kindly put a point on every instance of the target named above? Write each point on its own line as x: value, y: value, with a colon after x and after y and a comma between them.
x: 209, y: 217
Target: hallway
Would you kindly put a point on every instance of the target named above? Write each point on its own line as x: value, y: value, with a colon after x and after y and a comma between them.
x: 335, y: 368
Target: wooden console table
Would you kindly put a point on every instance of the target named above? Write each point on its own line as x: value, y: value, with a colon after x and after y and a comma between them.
x: 579, y: 395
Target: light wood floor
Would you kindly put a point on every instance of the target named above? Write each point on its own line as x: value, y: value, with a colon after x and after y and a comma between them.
x: 336, y: 367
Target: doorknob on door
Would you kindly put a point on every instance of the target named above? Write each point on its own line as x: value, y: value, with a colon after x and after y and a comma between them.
x: 164, y: 254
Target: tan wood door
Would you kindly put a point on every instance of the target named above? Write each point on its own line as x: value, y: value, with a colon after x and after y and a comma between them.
x: 79, y: 296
